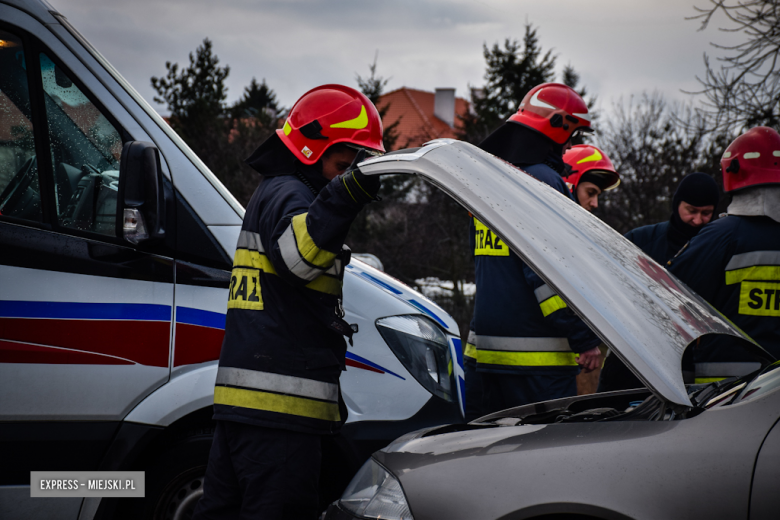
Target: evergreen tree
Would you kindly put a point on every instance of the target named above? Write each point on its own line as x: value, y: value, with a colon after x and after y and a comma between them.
x: 258, y: 101
x: 221, y: 136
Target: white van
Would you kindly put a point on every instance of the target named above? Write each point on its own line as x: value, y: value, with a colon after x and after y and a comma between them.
x: 115, y: 255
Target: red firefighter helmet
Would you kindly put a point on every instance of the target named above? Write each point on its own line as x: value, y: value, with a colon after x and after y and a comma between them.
x: 586, y: 158
x: 327, y: 115
x: 752, y: 159
x: 555, y: 110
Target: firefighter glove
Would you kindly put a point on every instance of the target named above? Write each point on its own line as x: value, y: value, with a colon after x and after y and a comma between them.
x: 362, y: 188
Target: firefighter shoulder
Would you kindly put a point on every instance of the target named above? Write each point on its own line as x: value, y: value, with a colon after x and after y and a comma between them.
x: 284, y: 349
x: 734, y: 263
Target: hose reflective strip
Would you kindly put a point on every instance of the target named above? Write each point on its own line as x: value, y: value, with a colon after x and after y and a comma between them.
x: 551, y: 305
x: 254, y: 259
x: 296, y: 386
x: 529, y: 359
x: 306, y: 246
x: 544, y: 292
x: 471, y: 351
x: 286, y: 404
x: 250, y: 240
x: 725, y: 369
x: 756, y: 265
x: 523, y: 344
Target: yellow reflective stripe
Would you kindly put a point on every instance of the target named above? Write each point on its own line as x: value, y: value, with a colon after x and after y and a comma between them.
x: 244, y: 290
x: 325, y: 284
x: 551, y: 305
x: 595, y: 156
x: 257, y: 400
x: 359, y: 123
x: 306, y: 246
x: 487, y: 243
x: 706, y: 380
x: 530, y: 359
x: 449, y: 368
x: 757, y: 272
x: 247, y: 258
x: 287, y: 128
x: 471, y: 351
x: 759, y: 299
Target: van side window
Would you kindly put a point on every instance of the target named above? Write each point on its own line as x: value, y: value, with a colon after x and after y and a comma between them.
x: 20, y: 194
x: 85, y: 150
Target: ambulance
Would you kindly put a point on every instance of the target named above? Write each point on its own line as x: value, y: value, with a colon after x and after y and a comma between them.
x: 116, y: 247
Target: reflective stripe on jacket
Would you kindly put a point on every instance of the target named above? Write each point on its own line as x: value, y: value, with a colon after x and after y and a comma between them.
x: 281, y: 361
x: 522, y: 326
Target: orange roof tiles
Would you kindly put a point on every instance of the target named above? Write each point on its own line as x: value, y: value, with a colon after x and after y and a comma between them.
x: 415, y: 110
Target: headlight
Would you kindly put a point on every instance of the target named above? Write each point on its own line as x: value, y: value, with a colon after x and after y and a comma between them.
x: 423, y: 349
x: 375, y: 493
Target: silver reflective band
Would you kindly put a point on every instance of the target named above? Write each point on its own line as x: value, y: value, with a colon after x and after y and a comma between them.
x: 292, y: 257
x: 251, y: 241
x: 472, y: 338
x: 725, y: 369
x: 753, y: 259
x: 335, y: 270
x: 87, y: 484
x: 544, y: 292
x: 278, y: 383
x: 523, y: 344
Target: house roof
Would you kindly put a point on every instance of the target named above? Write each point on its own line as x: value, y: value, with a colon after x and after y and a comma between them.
x: 415, y: 110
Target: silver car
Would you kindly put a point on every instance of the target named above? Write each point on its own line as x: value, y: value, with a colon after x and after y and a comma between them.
x: 665, y: 451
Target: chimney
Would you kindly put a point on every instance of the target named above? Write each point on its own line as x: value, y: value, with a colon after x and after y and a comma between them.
x: 444, y: 105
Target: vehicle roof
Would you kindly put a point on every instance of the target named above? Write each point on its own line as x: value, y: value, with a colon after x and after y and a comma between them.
x: 639, y: 310
x: 38, y: 8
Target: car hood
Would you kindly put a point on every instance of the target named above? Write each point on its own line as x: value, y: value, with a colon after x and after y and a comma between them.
x: 641, y: 311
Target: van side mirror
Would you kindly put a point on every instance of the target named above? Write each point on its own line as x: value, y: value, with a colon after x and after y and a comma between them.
x: 140, y: 199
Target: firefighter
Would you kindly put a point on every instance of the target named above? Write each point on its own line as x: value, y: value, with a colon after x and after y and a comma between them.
x: 734, y: 263
x: 590, y: 174
x: 529, y: 344
x: 277, y: 388
x: 693, y: 205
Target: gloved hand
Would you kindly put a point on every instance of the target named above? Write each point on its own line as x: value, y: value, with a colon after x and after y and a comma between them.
x: 362, y: 188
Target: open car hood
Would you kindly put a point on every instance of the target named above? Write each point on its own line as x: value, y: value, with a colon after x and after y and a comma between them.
x: 641, y: 311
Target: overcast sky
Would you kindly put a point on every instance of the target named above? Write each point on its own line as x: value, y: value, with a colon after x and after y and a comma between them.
x: 619, y: 47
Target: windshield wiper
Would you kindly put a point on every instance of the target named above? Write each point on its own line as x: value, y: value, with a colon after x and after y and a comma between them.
x: 703, y: 395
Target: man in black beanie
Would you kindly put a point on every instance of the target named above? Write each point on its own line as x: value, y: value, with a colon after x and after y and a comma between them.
x: 693, y: 205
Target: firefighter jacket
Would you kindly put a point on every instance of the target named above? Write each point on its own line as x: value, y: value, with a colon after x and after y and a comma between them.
x: 283, y: 351
x: 521, y: 324
x: 655, y: 242
x: 734, y: 264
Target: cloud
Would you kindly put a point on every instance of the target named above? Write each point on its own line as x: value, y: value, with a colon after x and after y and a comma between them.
x: 618, y: 47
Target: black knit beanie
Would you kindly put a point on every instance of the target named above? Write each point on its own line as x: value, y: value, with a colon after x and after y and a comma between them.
x: 697, y: 189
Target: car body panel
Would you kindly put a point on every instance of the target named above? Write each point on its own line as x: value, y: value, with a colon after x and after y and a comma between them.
x: 637, y: 308
x: 634, y: 469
